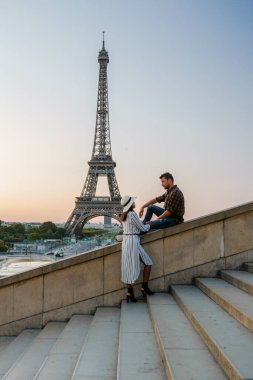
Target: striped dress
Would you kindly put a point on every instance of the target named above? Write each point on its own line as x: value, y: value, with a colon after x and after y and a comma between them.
x: 132, y: 251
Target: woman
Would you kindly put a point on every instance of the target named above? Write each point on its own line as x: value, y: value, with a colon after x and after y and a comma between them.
x: 132, y: 251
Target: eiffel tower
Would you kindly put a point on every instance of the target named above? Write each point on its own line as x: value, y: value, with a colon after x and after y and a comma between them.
x: 88, y: 205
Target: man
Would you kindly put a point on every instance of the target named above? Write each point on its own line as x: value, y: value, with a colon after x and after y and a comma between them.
x: 173, y: 210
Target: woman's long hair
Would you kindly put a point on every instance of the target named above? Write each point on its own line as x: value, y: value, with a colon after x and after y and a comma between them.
x: 123, y: 216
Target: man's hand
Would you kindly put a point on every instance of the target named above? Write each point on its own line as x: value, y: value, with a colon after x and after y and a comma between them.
x: 153, y: 201
x: 149, y: 222
x: 141, y: 212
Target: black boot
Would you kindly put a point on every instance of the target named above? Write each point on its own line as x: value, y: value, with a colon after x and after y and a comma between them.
x: 130, y: 295
x: 145, y: 289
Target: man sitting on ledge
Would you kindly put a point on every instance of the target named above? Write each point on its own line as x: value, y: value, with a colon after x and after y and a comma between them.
x: 173, y: 210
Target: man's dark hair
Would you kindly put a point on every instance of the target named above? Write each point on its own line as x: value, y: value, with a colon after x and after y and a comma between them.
x: 167, y: 175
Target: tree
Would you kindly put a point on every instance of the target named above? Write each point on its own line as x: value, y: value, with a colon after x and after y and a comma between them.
x: 47, y: 226
x: 60, y: 233
x: 3, y: 246
x: 17, y: 228
x: 33, y: 236
x: 17, y: 232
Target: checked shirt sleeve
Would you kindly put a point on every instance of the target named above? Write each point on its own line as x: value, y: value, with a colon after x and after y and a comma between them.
x: 161, y: 198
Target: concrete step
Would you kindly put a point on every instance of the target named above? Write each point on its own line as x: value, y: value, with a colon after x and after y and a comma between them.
x: 16, y: 349
x: 62, y: 358
x: 230, y: 343
x: 184, y: 354
x: 236, y: 302
x: 241, y: 279
x: 138, y: 355
x: 248, y: 267
x: 5, y: 341
x: 28, y: 365
x: 98, y: 357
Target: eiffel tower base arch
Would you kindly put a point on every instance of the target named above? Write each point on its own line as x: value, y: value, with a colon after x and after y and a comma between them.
x: 87, y: 210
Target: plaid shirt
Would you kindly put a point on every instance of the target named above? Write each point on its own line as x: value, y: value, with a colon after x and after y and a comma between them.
x: 173, y: 201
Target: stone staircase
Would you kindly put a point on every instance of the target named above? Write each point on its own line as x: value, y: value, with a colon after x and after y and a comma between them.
x: 201, y: 332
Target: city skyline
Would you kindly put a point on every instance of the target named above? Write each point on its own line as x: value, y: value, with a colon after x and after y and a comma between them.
x: 180, y: 100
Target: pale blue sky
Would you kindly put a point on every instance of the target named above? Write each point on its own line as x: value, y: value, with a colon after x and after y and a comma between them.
x: 180, y: 94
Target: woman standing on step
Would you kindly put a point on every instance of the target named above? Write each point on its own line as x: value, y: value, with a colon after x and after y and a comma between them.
x: 132, y: 251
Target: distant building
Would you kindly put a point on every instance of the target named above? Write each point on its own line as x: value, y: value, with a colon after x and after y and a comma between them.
x: 107, y: 220
x: 23, y: 248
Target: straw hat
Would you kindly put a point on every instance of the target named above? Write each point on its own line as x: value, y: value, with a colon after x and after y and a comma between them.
x: 127, y: 202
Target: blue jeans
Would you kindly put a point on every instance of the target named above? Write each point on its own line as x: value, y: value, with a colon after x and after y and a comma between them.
x: 160, y: 223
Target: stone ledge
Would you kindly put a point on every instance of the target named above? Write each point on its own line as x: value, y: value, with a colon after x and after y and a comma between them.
x: 198, y: 222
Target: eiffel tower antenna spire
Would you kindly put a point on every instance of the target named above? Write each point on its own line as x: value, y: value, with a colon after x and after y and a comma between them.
x: 103, y: 39
x: 88, y: 205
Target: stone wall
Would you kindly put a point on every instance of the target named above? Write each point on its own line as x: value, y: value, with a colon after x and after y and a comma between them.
x: 80, y: 284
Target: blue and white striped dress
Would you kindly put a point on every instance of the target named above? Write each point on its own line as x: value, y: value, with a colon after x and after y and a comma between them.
x: 132, y: 251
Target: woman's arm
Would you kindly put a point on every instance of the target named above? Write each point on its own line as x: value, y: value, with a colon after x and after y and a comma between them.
x: 138, y: 223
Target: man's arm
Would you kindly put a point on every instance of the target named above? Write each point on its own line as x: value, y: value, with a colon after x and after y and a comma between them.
x: 166, y: 214
x: 151, y: 202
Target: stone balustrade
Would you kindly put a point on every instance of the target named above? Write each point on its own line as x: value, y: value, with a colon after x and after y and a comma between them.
x: 78, y: 285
